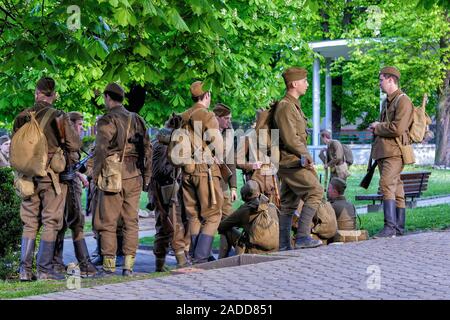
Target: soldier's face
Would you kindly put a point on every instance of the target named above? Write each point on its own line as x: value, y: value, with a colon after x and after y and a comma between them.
x: 5, y: 147
x: 383, y: 83
x: 224, y: 122
x: 331, y: 192
x: 302, y: 86
x: 79, y: 126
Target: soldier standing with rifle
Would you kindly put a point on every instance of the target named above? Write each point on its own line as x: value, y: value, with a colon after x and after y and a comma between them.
x: 229, y: 188
x: 119, y: 179
x: 46, y: 206
x: 298, y: 177
x: 202, y: 193
x: 73, y: 215
x: 390, y: 135
x: 166, y: 198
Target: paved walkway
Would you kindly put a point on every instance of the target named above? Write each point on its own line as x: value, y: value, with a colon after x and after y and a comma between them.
x: 410, y: 267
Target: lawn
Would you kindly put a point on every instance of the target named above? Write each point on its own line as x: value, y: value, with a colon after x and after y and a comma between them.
x: 13, y: 289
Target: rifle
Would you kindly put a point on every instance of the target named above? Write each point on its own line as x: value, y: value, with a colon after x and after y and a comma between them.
x: 365, y: 182
x: 277, y: 192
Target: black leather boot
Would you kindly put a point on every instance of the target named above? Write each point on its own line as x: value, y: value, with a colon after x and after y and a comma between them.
x: 26, y: 260
x: 390, y: 220
x: 87, y: 268
x: 203, y: 248
x: 97, y: 258
x: 401, y: 219
x: 45, y: 262
x: 194, y: 238
x: 304, y: 239
x: 285, y: 222
x: 58, y: 262
x: 119, y: 253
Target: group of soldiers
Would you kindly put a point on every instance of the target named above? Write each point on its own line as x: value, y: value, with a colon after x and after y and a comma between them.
x: 193, y: 201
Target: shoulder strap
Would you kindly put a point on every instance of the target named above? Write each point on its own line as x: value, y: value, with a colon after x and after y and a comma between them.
x: 46, y: 117
x: 126, y: 137
x: 395, y: 102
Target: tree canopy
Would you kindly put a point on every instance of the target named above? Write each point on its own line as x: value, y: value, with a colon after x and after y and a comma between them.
x: 239, y: 47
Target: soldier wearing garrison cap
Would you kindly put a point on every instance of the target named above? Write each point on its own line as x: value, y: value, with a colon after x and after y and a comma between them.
x: 121, y: 135
x: 46, y: 206
x: 201, y: 180
x: 345, y: 211
x: 299, y: 179
x: 391, y: 131
x: 229, y: 188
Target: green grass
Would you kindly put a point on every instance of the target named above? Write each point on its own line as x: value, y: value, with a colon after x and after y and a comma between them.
x: 418, y: 219
x: 12, y: 289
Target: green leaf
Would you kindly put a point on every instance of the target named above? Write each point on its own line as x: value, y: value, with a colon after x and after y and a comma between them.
x: 148, y: 8
x: 175, y: 19
x: 142, y: 50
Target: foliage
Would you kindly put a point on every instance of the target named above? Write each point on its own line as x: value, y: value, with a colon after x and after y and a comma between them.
x: 10, y: 224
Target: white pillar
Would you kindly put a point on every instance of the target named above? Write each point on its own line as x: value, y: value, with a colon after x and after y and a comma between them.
x: 316, y: 102
x: 328, y: 97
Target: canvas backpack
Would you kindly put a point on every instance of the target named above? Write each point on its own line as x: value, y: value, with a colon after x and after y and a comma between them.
x: 264, y: 231
x: 29, y: 149
x: 265, y: 122
x: 324, y: 222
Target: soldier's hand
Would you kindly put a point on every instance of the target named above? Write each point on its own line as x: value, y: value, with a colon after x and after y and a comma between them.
x: 373, y: 125
x: 233, y: 194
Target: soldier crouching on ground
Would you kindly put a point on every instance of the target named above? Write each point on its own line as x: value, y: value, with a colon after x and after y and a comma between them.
x: 245, y: 217
x: 46, y: 206
x: 166, y: 198
x: 73, y: 215
x: 122, y: 170
x: 344, y: 210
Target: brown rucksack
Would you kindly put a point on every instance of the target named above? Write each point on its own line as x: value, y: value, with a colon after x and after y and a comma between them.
x: 264, y: 231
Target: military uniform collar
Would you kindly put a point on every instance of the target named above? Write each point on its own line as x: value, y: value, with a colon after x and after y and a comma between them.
x: 291, y: 99
x: 338, y: 198
x: 198, y: 105
x: 39, y: 105
x: 393, y: 95
x: 118, y: 109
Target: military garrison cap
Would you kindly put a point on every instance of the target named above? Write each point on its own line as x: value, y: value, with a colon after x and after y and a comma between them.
x: 294, y: 73
x: 116, y: 89
x: 197, y: 89
x: 339, y: 184
x: 46, y: 85
x: 250, y: 190
x: 221, y: 110
x: 391, y: 70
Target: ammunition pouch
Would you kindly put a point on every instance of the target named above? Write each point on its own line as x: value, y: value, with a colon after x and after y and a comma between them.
x: 58, y: 162
x: 23, y: 185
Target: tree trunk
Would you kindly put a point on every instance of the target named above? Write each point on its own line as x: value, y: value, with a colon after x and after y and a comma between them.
x: 443, y: 113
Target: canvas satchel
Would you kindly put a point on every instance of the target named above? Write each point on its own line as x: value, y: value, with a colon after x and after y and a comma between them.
x: 110, y: 178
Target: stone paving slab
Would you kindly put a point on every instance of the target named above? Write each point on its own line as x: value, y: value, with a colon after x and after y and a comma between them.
x: 409, y: 267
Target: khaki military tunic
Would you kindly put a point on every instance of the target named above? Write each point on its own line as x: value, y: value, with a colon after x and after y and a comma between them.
x: 297, y: 182
x: 204, y: 216
x: 345, y: 213
x: 334, y: 156
x: 111, y: 134
x: 243, y: 218
x: 394, y: 123
x: 45, y: 207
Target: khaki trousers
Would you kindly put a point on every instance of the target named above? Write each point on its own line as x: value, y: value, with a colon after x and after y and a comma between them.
x: 204, y: 217
x: 391, y: 186
x: 44, y: 208
x: 113, y: 206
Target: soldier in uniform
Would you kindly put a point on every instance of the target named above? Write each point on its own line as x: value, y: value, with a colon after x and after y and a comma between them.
x: 202, y: 193
x: 344, y: 210
x: 5, y: 143
x: 73, y: 215
x: 46, y: 206
x: 333, y: 156
x: 120, y: 132
x: 391, y: 130
x: 169, y: 225
x: 229, y: 188
x: 297, y: 173
x: 244, y: 217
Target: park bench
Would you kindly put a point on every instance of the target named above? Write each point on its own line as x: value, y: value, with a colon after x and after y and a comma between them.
x: 414, y: 183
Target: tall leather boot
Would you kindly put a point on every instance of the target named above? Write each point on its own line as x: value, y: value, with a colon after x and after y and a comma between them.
x: 45, y: 262
x: 390, y: 220
x: 194, y: 238
x: 224, y: 248
x: 58, y: 262
x: 304, y: 239
x: 285, y: 222
x: 26, y: 260
x: 203, y: 248
x: 128, y: 265
x: 401, y: 219
x: 160, y: 264
x: 97, y: 258
x: 87, y: 268
x: 119, y: 253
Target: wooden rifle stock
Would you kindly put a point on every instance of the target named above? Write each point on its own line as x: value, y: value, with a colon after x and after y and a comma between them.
x: 365, y: 182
